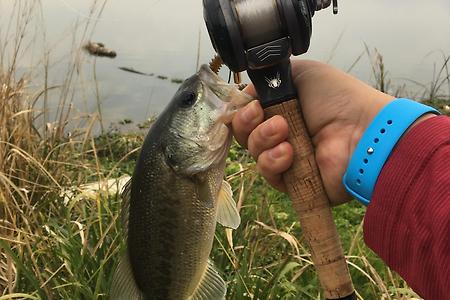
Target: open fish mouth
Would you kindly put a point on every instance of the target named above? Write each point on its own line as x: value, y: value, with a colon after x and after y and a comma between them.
x: 226, y: 97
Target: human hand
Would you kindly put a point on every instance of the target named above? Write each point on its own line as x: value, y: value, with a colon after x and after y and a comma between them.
x: 337, y: 108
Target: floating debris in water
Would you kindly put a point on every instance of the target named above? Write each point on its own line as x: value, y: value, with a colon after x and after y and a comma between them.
x: 162, y: 77
x: 177, y: 80
x: 125, y: 121
x: 98, y: 49
x: 131, y: 70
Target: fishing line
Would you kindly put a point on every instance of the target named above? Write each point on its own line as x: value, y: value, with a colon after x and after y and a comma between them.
x: 250, y: 13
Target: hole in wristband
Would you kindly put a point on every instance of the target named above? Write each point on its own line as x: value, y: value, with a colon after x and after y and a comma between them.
x: 376, y: 140
x: 365, y: 161
x: 358, y: 182
x: 382, y: 130
x: 361, y: 171
x: 389, y: 122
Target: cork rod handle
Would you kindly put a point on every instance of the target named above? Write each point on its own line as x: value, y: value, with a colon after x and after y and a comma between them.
x: 310, y: 201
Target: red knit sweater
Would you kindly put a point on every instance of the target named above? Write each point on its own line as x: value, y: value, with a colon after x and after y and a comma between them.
x: 407, y: 222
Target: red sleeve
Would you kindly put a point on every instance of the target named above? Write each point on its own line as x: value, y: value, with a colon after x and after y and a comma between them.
x: 407, y: 222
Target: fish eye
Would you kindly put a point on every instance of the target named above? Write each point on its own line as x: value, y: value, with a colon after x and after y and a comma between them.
x: 187, y: 99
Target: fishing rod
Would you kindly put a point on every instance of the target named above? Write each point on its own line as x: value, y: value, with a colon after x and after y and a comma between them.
x: 259, y: 36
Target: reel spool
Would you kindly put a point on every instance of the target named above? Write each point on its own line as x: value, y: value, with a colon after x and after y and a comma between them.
x: 251, y: 34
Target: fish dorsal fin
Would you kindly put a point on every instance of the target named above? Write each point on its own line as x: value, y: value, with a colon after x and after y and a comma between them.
x: 123, y: 286
x: 211, y: 286
x: 227, y: 213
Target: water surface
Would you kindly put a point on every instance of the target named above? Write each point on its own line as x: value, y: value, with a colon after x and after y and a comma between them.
x: 165, y: 37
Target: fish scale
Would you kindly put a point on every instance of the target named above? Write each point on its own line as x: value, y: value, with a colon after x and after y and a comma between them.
x: 167, y: 214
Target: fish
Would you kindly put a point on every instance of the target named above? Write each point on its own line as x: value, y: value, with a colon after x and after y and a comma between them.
x: 177, y: 194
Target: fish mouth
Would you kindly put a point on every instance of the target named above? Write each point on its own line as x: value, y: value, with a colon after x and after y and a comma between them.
x: 208, y: 76
x: 226, y: 97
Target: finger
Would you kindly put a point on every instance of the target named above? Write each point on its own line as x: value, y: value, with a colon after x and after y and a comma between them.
x: 267, y: 135
x: 250, y: 90
x: 274, y: 162
x: 246, y: 120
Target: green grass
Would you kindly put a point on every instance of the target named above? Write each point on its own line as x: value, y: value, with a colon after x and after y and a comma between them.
x: 69, y: 250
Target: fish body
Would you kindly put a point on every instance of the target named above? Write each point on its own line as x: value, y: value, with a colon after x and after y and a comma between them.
x: 176, y: 196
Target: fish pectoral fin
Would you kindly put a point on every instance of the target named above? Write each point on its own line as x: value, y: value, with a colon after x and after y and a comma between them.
x: 227, y: 213
x: 211, y: 286
x: 123, y: 286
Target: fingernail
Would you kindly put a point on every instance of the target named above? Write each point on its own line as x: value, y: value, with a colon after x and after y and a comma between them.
x: 249, y: 113
x: 276, y: 152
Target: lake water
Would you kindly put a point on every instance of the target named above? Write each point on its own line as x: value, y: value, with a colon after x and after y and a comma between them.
x: 163, y: 37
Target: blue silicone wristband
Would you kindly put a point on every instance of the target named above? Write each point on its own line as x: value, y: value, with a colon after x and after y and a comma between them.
x: 376, y: 145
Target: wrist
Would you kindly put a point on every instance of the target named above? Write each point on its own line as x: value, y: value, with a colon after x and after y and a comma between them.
x: 420, y: 120
x: 369, y: 113
x: 377, y: 143
x: 372, y: 106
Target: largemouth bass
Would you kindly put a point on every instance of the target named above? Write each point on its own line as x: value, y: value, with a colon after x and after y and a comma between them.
x: 177, y: 194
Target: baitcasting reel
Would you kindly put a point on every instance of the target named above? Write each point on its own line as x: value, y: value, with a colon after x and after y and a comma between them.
x: 259, y: 36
